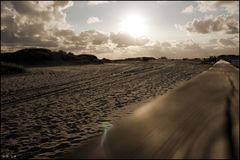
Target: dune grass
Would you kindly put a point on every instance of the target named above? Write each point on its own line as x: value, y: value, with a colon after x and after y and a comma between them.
x: 11, y: 68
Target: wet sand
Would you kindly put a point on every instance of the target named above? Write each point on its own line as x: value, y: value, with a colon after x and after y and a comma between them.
x: 51, y: 110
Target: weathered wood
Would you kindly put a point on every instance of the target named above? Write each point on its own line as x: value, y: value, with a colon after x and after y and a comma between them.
x: 197, y: 120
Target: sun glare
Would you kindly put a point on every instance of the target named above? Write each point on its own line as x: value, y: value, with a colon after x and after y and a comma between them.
x: 134, y: 25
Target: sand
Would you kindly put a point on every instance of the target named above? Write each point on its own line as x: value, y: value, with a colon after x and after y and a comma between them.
x: 197, y: 120
x: 49, y: 111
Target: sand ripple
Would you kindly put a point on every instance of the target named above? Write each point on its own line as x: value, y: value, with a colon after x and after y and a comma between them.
x: 51, y: 110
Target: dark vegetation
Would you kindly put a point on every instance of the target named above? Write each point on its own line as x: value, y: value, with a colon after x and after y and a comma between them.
x: 11, y: 68
x: 142, y: 59
x: 163, y: 58
x: 145, y: 59
x: 233, y: 59
x: 87, y: 59
x: 41, y: 56
x: 46, y: 57
x: 105, y: 60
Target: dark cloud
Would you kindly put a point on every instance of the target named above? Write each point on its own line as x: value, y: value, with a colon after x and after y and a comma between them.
x: 30, y: 23
x: 25, y: 7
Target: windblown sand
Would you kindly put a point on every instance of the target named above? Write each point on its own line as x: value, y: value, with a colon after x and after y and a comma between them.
x: 50, y: 110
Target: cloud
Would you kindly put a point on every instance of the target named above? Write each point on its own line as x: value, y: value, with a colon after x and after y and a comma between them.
x: 212, y: 40
x: 231, y: 7
x: 188, y: 9
x: 124, y: 40
x: 31, y: 23
x: 43, y: 24
x: 189, y: 49
x: 94, y: 3
x: 227, y: 24
x: 62, y: 4
x: 191, y: 45
x: 25, y: 25
x: 161, y: 2
x: 227, y: 42
x: 94, y: 37
x: 91, y: 20
x: 83, y: 42
x: 166, y: 44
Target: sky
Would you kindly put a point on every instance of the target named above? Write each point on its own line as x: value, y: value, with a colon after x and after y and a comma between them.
x: 122, y: 29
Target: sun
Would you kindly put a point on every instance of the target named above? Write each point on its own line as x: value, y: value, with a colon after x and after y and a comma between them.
x: 134, y: 25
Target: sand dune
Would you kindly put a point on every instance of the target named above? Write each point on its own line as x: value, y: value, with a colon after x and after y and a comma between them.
x: 50, y: 110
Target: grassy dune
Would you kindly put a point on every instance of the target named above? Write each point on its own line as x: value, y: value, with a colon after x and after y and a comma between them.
x: 11, y: 68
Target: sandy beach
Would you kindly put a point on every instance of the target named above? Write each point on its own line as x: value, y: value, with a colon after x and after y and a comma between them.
x: 50, y: 110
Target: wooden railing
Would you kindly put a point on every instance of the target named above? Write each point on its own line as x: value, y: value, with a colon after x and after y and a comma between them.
x: 200, y: 119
